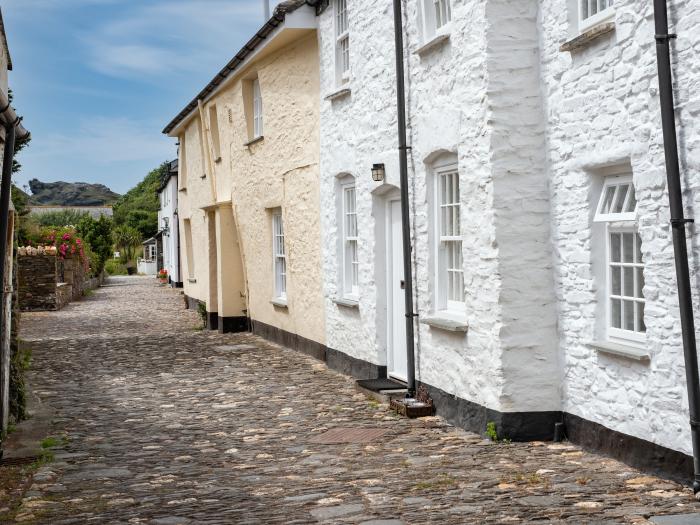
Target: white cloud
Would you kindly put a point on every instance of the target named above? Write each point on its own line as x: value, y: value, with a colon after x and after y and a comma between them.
x: 176, y: 36
x: 103, y: 140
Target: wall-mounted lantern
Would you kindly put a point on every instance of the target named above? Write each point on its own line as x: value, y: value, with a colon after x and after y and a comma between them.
x: 378, y: 172
x: 166, y: 224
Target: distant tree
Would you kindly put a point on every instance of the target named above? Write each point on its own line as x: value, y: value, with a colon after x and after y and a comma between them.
x: 20, y: 200
x: 60, y: 218
x: 138, y: 208
x: 98, y: 235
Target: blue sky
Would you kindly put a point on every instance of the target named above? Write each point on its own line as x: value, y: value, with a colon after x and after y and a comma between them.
x: 97, y: 80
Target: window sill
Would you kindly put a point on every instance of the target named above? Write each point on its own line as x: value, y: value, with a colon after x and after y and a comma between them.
x: 436, y: 41
x: 588, y: 36
x: 347, y: 303
x: 280, y: 303
x: 191, y: 280
x: 442, y: 322
x: 254, y: 141
x: 621, y: 350
x: 342, y: 92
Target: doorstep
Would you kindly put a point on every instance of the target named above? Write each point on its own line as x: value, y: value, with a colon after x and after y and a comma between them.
x: 382, y: 390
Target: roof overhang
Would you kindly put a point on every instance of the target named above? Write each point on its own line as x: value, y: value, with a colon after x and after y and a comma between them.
x: 283, y: 28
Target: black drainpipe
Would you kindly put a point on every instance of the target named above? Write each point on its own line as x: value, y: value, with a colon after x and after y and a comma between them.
x: 685, y: 301
x: 14, y: 131
x: 405, y: 216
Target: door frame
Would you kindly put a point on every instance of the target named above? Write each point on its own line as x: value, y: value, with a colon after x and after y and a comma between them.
x: 389, y: 272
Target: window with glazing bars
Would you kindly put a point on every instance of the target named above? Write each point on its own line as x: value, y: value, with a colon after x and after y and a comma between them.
x: 593, y: 11
x: 451, y: 273
x: 625, y: 267
x: 443, y: 12
x: 350, y: 257
x: 342, y: 39
x: 257, y: 110
x: 280, y: 260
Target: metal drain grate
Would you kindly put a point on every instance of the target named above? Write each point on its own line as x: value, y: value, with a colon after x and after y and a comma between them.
x: 337, y: 436
x: 17, y: 462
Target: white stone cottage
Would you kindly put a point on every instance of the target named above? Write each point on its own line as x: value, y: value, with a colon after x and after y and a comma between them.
x: 168, y: 225
x: 543, y: 262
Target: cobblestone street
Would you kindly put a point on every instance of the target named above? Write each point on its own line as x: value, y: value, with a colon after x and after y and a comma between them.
x: 159, y: 422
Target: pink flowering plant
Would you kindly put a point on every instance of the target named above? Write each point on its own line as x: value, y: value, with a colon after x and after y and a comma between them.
x: 68, y: 244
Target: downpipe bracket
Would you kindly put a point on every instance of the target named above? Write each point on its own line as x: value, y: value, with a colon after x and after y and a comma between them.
x: 681, y: 222
x: 665, y: 38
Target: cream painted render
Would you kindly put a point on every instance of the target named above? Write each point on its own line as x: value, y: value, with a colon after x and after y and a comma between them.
x: 230, y: 186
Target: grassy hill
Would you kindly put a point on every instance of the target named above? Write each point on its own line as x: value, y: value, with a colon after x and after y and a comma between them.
x: 70, y: 194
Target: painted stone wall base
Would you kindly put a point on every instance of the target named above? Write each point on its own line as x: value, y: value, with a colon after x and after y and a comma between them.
x: 352, y: 366
x: 632, y: 450
x: 516, y: 426
x: 290, y: 340
x: 212, y: 320
x: 229, y: 325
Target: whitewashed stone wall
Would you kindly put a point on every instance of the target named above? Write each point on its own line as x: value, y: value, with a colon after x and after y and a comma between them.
x: 603, y: 109
x: 171, y: 260
x: 461, y: 100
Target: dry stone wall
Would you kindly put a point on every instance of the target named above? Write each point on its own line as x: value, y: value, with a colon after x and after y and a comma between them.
x: 36, y: 280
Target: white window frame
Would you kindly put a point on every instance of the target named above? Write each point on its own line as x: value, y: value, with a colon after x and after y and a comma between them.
x: 350, y: 242
x: 429, y: 10
x: 257, y: 110
x: 605, y: 11
x: 445, y: 303
x: 279, y: 258
x: 622, y: 222
x: 342, y: 42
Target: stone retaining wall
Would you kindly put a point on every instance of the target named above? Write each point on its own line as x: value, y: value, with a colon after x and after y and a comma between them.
x: 46, y: 282
x: 36, y: 282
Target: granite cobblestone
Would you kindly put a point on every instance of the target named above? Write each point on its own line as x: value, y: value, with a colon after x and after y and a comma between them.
x: 163, y: 423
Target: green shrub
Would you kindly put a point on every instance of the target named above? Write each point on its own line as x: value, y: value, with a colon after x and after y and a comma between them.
x: 115, y: 267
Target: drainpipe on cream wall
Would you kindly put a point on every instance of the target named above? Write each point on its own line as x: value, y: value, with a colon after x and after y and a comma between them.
x: 206, y: 151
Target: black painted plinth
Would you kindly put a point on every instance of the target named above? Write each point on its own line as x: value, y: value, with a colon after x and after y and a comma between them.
x: 228, y: 325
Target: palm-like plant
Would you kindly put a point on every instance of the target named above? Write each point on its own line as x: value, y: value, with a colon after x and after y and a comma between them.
x: 126, y: 240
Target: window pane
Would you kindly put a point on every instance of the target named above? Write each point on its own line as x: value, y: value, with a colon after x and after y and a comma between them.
x: 620, y: 198
x: 631, y: 200
x: 628, y: 282
x: 628, y: 314
x: 628, y: 247
x: 615, y: 280
x: 641, y: 327
x: 615, y: 247
x: 608, y: 200
x: 615, y: 317
x: 640, y: 282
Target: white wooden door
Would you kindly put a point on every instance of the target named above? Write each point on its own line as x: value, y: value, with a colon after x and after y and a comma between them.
x: 396, y: 339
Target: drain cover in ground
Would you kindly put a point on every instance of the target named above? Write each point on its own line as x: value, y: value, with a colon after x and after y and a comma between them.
x: 348, y: 435
x: 383, y: 383
x: 15, y: 462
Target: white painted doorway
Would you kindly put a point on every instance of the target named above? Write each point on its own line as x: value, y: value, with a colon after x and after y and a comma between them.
x: 396, y: 306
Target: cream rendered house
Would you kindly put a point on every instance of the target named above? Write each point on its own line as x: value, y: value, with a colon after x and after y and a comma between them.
x: 249, y: 187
